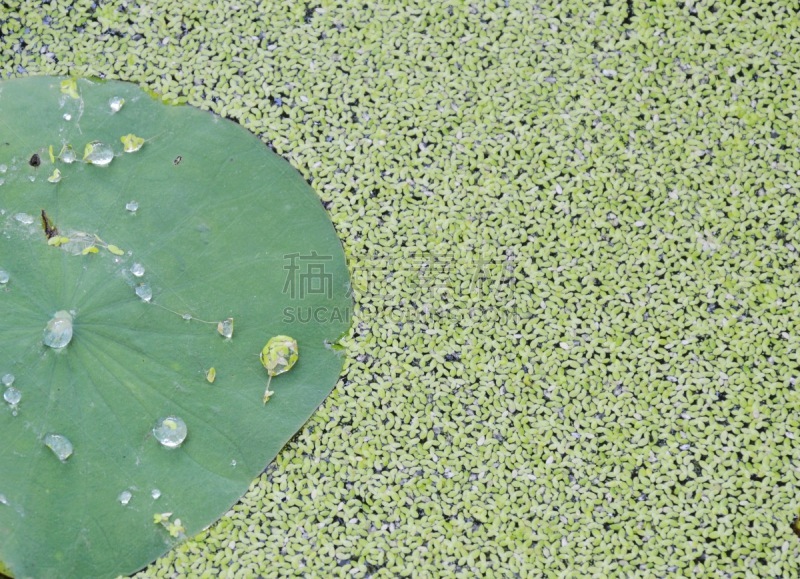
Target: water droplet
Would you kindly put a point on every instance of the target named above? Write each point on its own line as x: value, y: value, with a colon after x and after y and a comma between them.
x: 137, y: 269
x: 144, y: 292
x: 67, y: 117
x: 3, y: 499
x: 170, y: 431
x: 115, y: 103
x: 8, y: 379
x: 187, y: 317
x: 98, y: 153
x: 60, y: 445
x: 24, y: 218
x: 132, y: 206
x: 155, y: 493
x: 68, y: 155
x: 3, y: 277
x: 279, y: 355
x: 12, y: 396
x: 225, y: 328
x: 233, y: 463
x: 31, y: 178
x: 124, y: 497
x: 58, y: 331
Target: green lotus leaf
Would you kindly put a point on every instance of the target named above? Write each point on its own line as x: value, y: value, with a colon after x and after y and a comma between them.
x: 120, y: 281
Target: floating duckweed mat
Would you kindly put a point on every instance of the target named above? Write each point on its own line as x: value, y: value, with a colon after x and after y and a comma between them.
x: 609, y: 191
x: 147, y: 252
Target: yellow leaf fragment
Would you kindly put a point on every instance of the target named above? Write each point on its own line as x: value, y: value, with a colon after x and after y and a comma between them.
x: 52, y: 156
x: 115, y: 250
x: 131, y: 143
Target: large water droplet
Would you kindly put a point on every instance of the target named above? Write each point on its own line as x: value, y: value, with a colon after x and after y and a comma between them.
x: 155, y: 493
x: 12, y: 396
x: 144, y: 292
x: 8, y: 379
x: 58, y: 331
x: 4, y: 277
x: 279, y: 355
x: 68, y: 155
x: 137, y: 269
x: 60, y: 445
x: 24, y: 218
x: 132, y: 206
x: 124, y: 497
x: 170, y: 431
x: 98, y: 153
x: 225, y: 327
x: 115, y: 103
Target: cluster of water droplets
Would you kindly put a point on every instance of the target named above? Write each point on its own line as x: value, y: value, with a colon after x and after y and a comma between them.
x: 11, y: 395
x: 125, y: 497
x: 169, y: 431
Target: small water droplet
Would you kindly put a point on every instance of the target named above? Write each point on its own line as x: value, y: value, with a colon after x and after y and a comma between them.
x: 3, y: 499
x: 58, y: 331
x: 68, y: 155
x: 98, y: 153
x: 67, y: 117
x: 225, y: 328
x: 115, y: 103
x: 132, y: 206
x: 8, y: 379
x: 155, y: 493
x: 12, y: 396
x: 3, y: 277
x: 144, y: 292
x: 24, y: 218
x: 233, y: 463
x: 187, y: 317
x: 124, y: 497
x: 60, y: 445
x: 31, y: 178
x: 170, y: 431
x: 137, y: 269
